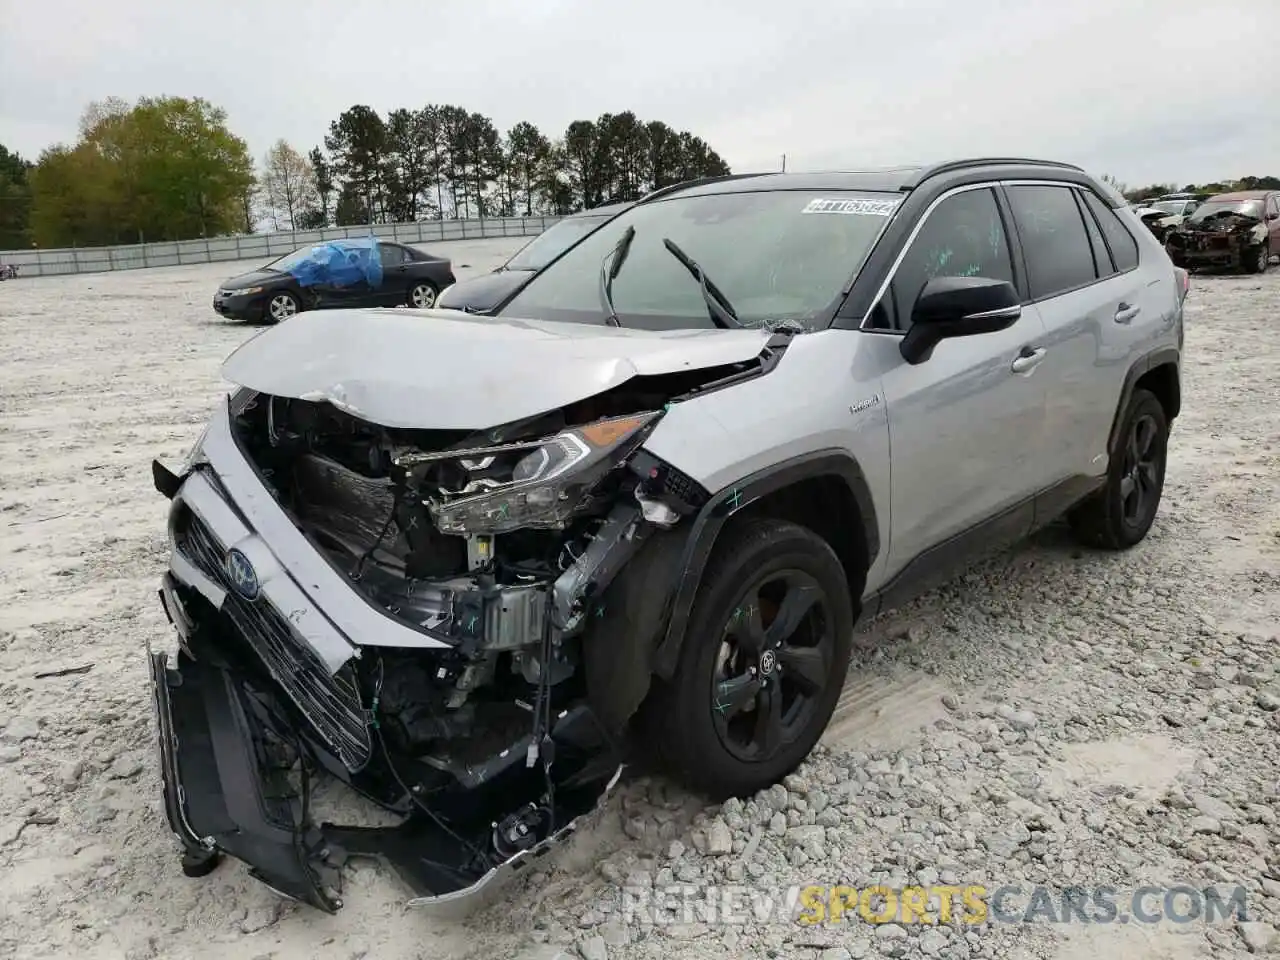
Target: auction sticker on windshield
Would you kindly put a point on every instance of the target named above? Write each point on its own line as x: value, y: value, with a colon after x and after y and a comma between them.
x: 875, y: 208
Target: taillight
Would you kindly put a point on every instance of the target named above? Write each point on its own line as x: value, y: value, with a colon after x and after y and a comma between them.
x: 1184, y: 282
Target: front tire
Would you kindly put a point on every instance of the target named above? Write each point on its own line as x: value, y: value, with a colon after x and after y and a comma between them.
x: 422, y: 296
x: 1119, y: 515
x: 1257, y: 261
x: 762, y: 663
x: 280, y: 306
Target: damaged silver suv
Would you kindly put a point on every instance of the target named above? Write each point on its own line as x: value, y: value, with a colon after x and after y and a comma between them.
x: 466, y: 565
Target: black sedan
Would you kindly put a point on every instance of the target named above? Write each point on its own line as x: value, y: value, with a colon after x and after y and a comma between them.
x: 279, y: 289
x: 486, y: 293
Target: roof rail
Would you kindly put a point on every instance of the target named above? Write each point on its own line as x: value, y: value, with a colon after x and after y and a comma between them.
x: 700, y: 181
x: 953, y: 165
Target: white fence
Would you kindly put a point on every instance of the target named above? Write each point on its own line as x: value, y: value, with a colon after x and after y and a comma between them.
x: 256, y: 246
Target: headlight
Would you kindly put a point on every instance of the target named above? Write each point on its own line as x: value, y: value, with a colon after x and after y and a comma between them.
x: 548, y: 482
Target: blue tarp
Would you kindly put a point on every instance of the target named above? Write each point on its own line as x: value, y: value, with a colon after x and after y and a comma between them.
x: 341, y: 263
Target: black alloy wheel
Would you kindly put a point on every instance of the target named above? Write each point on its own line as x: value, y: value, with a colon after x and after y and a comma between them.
x: 775, y: 661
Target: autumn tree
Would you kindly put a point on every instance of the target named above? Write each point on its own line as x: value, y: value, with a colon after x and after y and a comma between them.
x: 288, y: 186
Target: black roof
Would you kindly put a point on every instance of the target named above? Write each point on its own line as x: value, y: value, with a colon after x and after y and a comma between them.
x: 898, y: 179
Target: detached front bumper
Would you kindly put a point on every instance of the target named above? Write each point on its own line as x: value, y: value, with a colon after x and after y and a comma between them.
x: 217, y: 796
x: 228, y: 790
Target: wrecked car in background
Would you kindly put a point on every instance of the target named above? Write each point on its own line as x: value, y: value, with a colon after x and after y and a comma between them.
x: 1161, y: 216
x: 355, y: 272
x: 1240, y: 231
x: 465, y: 564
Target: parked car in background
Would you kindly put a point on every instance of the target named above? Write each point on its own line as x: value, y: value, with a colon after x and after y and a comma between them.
x: 358, y: 272
x: 457, y: 565
x: 8, y: 271
x: 1240, y: 231
x: 1161, y: 216
x: 485, y: 293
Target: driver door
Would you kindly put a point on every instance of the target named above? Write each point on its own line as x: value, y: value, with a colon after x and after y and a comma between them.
x: 967, y: 425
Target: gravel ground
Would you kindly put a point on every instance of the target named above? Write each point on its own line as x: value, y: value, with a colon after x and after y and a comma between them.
x: 1056, y: 717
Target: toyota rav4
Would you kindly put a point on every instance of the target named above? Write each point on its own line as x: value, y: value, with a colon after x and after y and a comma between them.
x: 465, y: 565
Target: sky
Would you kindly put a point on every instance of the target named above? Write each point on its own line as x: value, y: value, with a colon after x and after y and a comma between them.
x: 1147, y: 91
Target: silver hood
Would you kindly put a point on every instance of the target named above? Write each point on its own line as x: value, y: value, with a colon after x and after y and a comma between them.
x: 437, y: 369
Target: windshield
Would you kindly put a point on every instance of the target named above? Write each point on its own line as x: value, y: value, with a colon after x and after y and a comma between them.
x: 776, y: 255
x: 547, y: 245
x: 1170, y: 206
x: 290, y: 260
x: 1215, y: 208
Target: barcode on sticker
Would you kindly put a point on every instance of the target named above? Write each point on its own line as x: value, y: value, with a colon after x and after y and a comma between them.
x: 873, y: 208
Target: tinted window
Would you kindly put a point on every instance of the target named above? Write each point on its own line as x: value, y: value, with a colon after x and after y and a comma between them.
x: 775, y: 255
x: 1124, y: 249
x: 1273, y: 205
x: 392, y: 256
x: 1053, y: 239
x: 963, y: 237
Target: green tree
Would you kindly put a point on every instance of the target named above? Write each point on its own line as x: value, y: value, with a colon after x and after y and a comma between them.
x: 165, y: 169
x: 527, y: 153
x: 357, y: 140
x: 15, y: 200
x: 408, y: 169
x: 325, y: 187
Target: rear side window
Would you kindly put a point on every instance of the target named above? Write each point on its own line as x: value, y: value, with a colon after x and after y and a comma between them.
x: 1124, y: 249
x: 1059, y: 257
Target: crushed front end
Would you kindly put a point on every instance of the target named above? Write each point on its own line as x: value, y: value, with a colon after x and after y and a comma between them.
x: 404, y: 610
x: 1229, y: 240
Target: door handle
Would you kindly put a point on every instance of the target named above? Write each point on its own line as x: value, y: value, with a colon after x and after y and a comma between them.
x: 1027, y: 360
x: 1126, y: 313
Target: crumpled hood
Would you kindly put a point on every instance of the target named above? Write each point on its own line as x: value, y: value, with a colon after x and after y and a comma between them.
x: 440, y: 369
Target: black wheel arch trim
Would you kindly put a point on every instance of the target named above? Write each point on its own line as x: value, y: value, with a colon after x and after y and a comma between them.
x: 733, y: 499
x: 1163, y: 356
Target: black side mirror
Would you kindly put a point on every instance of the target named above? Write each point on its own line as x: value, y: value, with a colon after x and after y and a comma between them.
x: 958, y: 307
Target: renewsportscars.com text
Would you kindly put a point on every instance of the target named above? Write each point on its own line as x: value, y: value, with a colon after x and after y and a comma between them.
x: 970, y: 904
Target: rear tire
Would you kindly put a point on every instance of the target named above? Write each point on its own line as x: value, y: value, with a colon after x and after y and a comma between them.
x: 762, y: 663
x: 1120, y: 514
x: 422, y: 295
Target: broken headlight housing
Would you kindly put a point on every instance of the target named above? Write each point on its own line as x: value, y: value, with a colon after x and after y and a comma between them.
x: 545, y: 482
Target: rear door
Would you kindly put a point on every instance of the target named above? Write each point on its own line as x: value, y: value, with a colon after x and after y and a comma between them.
x: 1084, y: 277
x: 394, y: 289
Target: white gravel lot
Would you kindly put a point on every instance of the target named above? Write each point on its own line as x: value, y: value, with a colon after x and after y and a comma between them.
x: 1056, y: 717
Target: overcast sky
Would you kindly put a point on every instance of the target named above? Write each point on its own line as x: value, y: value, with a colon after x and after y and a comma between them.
x: 1145, y: 90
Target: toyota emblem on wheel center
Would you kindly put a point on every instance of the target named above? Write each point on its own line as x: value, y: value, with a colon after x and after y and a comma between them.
x: 243, y: 577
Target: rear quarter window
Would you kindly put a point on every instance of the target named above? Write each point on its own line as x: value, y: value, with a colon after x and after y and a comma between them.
x: 1124, y: 248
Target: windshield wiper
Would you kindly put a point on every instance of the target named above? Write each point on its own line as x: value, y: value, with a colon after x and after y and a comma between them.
x: 718, y: 305
x: 609, y: 268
